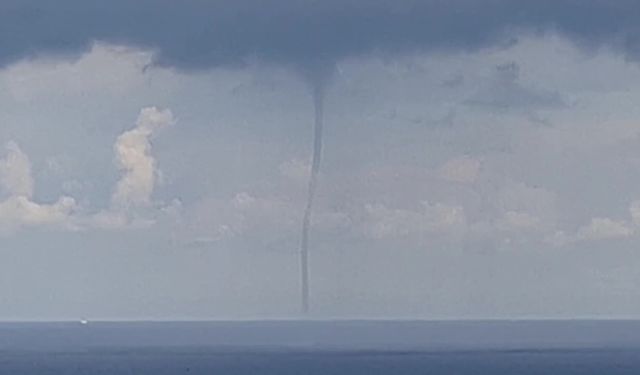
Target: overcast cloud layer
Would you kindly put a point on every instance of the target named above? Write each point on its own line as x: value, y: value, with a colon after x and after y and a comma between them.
x: 203, y: 34
x: 482, y: 158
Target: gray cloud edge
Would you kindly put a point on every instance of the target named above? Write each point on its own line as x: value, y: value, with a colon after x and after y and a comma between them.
x: 307, y: 34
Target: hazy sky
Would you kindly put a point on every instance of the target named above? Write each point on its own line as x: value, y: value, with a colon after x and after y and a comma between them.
x: 482, y: 158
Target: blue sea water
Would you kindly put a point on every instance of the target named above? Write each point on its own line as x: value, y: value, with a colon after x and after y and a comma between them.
x: 343, y: 347
x: 210, y: 362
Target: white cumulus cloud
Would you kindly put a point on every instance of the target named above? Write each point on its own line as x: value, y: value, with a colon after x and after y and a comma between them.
x: 19, y: 210
x: 383, y: 222
x: 133, y: 156
x: 604, y: 228
x: 15, y: 172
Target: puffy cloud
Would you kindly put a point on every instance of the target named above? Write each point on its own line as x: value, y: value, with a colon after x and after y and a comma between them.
x: 464, y: 170
x: 598, y: 229
x: 15, y: 172
x: 604, y: 228
x: 131, y: 205
x: 601, y: 228
x: 383, y: 222
x: 105, y: 69
x: 18, y: 210
x: 139, y: 177
x: 112, y: 220
x: 133, y: 155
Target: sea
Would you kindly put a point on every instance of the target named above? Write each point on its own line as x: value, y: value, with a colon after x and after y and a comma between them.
x: 296, y: 347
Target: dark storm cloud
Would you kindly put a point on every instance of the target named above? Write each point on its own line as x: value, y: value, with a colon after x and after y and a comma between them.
x: 198, y: 34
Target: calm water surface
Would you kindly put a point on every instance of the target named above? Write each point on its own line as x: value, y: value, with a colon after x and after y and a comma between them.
x: 344, y: 347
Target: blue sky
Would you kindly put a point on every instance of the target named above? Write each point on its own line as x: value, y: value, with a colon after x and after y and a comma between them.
x: 155, y: 162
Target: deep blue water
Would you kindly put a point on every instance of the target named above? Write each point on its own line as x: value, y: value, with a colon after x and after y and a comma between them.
x: 154, y: 362
x: 210, y: 362
x: 299, y: 348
